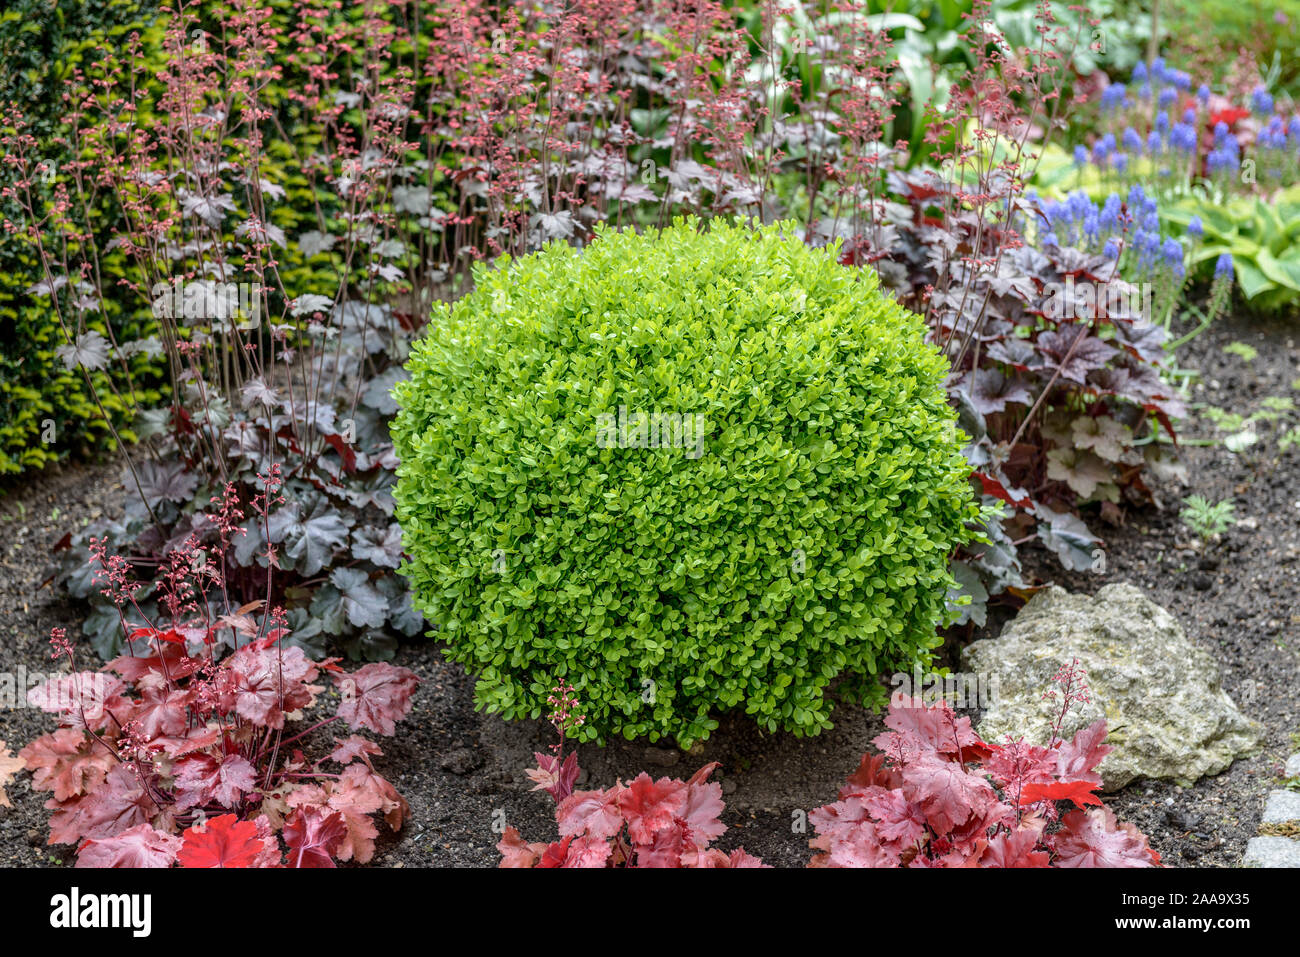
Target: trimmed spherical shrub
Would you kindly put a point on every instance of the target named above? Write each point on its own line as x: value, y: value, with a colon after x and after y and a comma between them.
x: 689, y: 471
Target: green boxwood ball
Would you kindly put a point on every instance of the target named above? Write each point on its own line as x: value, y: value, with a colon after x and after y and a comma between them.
x: 688, y: 471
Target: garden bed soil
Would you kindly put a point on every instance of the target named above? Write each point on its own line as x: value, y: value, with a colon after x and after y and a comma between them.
x: 463, y: 772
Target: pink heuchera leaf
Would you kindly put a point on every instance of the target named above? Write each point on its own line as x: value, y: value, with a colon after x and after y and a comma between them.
x: 1016, y: 848
x: 847, y: 836
x: 651, y: 806
x: 587, y: 851
x: 947, y: 794
x: 1077, y: 757
x: 139, y: 846
x: 356, y: 794
x: 172, y: 662
x: 313, y: 835
x: 702, y: 814
x: 927, y: 803
x: 352, y: 749
x: 376, y: 697
x: 1091, y: 839
x: 669, y: 822
x: 553, y: 777
x: 515, y: 852
x: 937, y: 728
x: 595, y: 813
x: 899, y: 822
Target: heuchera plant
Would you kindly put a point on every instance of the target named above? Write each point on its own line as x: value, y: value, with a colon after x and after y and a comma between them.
x: 648, y: 823
x: 175, y: 756
x: 938, y: 796
x: 247, y: 206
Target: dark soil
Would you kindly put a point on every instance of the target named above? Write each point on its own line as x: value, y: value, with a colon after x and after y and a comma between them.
x: 462, y: 771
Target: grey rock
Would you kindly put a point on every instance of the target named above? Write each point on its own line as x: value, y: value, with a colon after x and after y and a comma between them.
x: 1293, y: 766
x: 1167, y: 715
x: 1272, y: 852
x: 1282, y: 806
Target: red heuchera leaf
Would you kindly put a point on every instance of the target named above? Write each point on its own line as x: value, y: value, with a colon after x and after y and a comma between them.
x: 1080, y: 792
x: 139, y: 846
x: 204, y: 778
x: 1092, y: 839
x: 161, y: 711
x: 224, y: 841
x: 665, y: 851
x: 67, y: 762
x: 555, y: 854
x: 871, y: 770
x: 376, y: 697
x: 172, y: 661
x: 117, y: 805
x: 313, y: 836
x: 268, y: 683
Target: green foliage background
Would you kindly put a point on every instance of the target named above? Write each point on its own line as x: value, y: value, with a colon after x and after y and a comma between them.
x: 41, y: 42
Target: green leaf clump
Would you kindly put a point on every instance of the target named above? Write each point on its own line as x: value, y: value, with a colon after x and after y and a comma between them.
x: 800, y: 538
